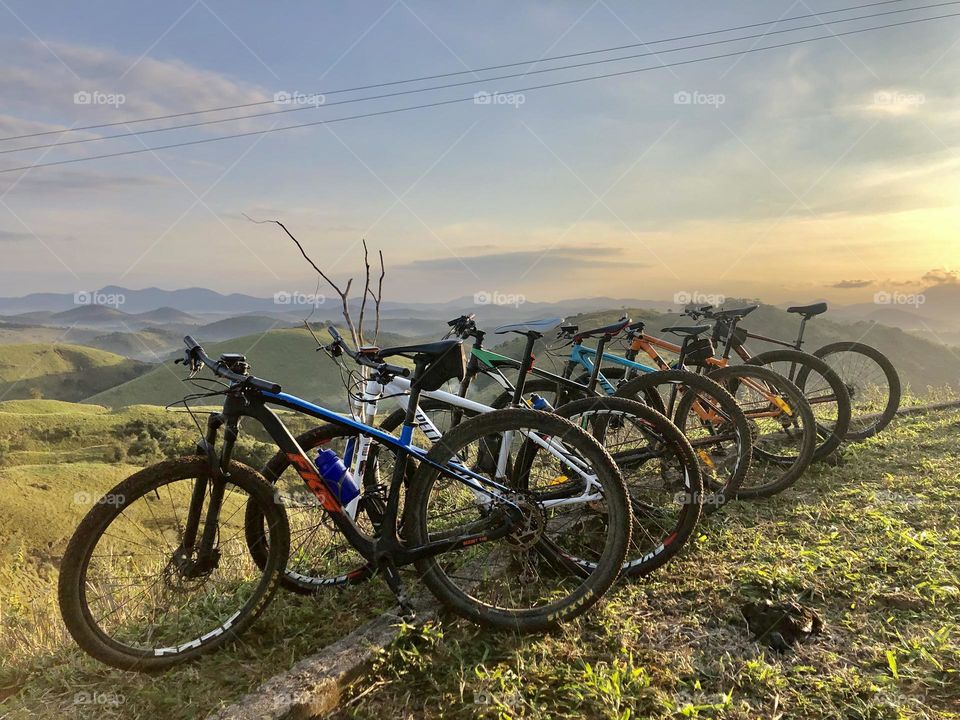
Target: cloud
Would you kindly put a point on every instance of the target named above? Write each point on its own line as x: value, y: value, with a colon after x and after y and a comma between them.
x: 8, y: 236
x: 518, y: 262
x: 849, y: 284
x: 941, y: 276
x: 78, y: 181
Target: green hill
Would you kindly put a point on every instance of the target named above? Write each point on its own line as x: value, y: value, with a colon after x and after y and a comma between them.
x: 149, y: 344
x: 60, y: 371
x: 287, y: 356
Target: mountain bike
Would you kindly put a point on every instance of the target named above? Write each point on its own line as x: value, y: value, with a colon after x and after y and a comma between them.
x: 661, y: 472
x: 160, y: 571
x: 871, y: 380
x: 714, y: 424
x: 783, y: 427
x: 824, y: 389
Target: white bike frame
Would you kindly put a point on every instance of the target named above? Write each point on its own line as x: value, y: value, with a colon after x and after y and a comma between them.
x: 399, y: 388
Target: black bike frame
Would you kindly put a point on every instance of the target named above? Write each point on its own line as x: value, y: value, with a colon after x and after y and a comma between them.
x: 386, y: 550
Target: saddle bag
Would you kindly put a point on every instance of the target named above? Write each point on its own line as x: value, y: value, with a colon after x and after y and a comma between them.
x: 452, y: 364
x: 699, y: 351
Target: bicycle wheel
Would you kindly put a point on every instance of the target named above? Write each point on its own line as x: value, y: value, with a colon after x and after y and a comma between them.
x: 783, y: 429
x: 872, y: 382
x: 320, y: 556
x: 659, y: 468
x: 559, y: 558
x: 711, y: 420
x: 823, y: 388
x: 134, y: 597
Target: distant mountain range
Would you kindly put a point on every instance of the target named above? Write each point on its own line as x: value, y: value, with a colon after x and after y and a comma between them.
x: 150, y: 323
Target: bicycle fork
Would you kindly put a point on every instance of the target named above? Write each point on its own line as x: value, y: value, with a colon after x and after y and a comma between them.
x: 190, y: 558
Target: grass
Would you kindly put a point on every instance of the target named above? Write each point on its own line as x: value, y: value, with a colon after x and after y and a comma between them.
x: 62, y: 371
x: 873, y: 546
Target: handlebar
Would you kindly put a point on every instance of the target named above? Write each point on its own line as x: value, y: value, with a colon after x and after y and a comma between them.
x: 463, y: 327
x: 371, y: 361
x: 195, y: 358
x: 704, y: 311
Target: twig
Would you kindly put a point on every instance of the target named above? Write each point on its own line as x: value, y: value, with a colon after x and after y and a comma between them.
x: 366, y: 285
x: 342, y: 293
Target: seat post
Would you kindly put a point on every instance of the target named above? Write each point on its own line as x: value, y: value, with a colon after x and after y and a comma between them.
x: 597, y: 362
x: 525, y: 364
x: 683, y: 352
x: 420, y: 364
x: 803, y: 325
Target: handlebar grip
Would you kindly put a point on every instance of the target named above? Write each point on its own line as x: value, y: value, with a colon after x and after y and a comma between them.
x: 334, y: 334
x: 190, y: 342
x: 396, y: 369
x: 266, y: 385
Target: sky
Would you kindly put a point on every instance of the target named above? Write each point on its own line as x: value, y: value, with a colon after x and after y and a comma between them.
x: 822, y: 170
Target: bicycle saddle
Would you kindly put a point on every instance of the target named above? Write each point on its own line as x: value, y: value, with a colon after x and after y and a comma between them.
x: 611, y: 329
x: 537, y: 327
x: 808, y: 310
x: 734, y: 312
x: 687, y: 330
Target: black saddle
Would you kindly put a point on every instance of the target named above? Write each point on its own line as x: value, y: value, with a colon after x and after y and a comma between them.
x: 687, y: 330
x: 734, y: 312
x: 609, y: 330
x: 808, y: 311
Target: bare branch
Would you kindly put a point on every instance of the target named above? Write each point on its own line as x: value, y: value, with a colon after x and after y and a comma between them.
x: 344, y: 294
x: 366, y: 286
x: 377, y: 298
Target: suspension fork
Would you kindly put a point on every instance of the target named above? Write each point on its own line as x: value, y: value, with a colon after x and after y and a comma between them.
x: 207, y: 555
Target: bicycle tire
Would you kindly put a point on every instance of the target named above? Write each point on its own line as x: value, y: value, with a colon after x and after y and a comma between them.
x: 860, y: 429
x: 728, y: 377
x: 646, y: 384
x: 72, y: 585
x: 809, y: 364
x: 600, y: 578
x: 596, y: 411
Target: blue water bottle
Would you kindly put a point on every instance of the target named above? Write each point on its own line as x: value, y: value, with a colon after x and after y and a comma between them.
x: 539, y: 403
x: 338, y: 480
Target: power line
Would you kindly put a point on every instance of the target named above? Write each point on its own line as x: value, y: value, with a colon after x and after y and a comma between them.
x: 203, y: 123
x: 465, y: 72
x: 468, y: 99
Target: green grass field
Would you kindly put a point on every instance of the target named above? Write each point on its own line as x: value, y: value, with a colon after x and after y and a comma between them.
x: 61, y: 371
x: 873, y: 546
